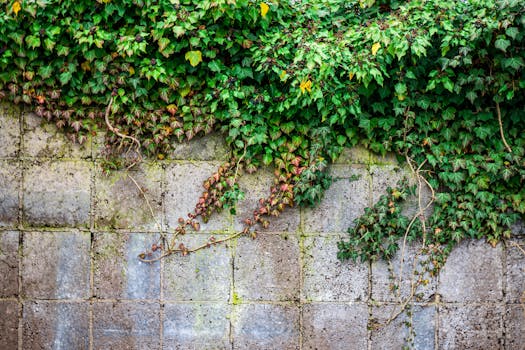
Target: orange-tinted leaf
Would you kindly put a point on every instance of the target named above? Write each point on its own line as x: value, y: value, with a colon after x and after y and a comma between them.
x: 16, y: 7
x: 306, y: 85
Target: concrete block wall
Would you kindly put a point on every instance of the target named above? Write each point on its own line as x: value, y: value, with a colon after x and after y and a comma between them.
x: 70, y: 277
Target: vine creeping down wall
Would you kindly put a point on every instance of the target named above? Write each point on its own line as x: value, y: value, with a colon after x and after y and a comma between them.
x: 70, y: 236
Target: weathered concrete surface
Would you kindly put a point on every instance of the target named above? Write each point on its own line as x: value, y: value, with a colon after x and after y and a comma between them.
x: 266, y: 326
x: 57, y: 193
x: 119, y: 203
x: 325, y: 278
x: 196, y: 326
x: 55, y: 325
x: 56, y: 265
x: 117, y: 273
x: 473, y: 273
x: 9, y: 130
x: 9, y: 263
x: 126, y: 325
x: 70, y: 278
x: 203, y: 276
x: 9, y: 324
x: 388, y: 333
x: 10, y: 184
x: 335, y: 326
x: 267, y: 269
x: 471, y: 327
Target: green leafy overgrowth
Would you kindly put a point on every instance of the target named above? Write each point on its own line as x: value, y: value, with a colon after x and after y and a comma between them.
x: 440, y: 83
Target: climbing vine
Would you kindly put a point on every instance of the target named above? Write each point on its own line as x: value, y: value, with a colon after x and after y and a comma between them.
x: 290, y: 84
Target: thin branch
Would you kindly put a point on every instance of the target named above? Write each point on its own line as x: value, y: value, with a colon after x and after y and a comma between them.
x: 514, y: 244
x: 418, y: 214
x: 413, y: 287
x: 121, y: 135
x: 147, y: 202
x: 239, y: 163
x: 187, y: 251
x: 498, y: 111
x: 421, y: 215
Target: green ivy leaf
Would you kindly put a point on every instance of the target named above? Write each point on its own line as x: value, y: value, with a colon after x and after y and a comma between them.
x: 32, y: 41
x: 502, y: 44
x: 195, y: 57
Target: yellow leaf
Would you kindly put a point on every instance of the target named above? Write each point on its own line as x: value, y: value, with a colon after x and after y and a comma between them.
x: 375, y: 47
x: 16, y: 7
x: 131, y: 70
x: 366, y: 3
x: 351, y: 75
x: 195, y: 57
x: 306, y: 85
x: 283, y: 75
x: 85, y: 66
x: 264, y: 9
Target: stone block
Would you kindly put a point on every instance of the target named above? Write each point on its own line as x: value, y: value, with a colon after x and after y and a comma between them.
x: 518, y: 229
x: 120, y: 203
x: 56, y: 265
x: 473, y: 272
x: 471, y: 327
x: 42, y: 139
x: 9, y: 264
x: 384, y: 176
x: 255, y: 187
x: 8, y: 324
x: 404, y: 272
x: 414, y: 327
x: 126, y: 325
x: 118, y: 272
x: 387, y: 159
x: 196, y: 326
x: 10, y: 175
x: 99, y: 146
x: 183, y: 189
x: 335, y: 326
x: 57, y: 193
x: 343, y: 202
x: 9, y: 130
x: 326, y: 278
x: 201, y: 276
x: 52, y: 325
x: 515, y: 288
x: 209, y: 147
x: 267, y: 268
x: 515, y: 326
x: 266, y: 326
x: 354, y: 155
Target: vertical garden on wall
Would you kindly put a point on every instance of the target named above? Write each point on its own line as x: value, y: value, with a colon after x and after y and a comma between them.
x: 290, y: 84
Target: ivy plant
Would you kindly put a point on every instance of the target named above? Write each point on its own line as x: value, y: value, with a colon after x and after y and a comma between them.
x: 290, y: 85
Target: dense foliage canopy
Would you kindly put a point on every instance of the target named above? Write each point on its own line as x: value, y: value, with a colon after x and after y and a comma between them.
x: 290, y: 84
